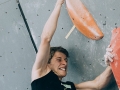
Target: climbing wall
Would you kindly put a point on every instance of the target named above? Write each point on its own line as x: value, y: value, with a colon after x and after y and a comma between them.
x: 16, y: 50
x: 17, y: 53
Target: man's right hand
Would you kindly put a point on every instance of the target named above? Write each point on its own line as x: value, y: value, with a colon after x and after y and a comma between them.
x: 108, y: 56
x: 60, y: 2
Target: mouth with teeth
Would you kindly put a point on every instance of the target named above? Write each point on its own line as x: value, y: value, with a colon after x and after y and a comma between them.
x: 63, y: 69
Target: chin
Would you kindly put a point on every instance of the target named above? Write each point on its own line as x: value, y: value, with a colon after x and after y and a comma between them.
x: 63, y: 75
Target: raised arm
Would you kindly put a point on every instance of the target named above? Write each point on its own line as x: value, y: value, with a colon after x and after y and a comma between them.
x: 98, y: 83
x: 40, y: 66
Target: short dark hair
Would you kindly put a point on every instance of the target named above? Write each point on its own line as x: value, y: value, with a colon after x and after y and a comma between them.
x: 57, y: 49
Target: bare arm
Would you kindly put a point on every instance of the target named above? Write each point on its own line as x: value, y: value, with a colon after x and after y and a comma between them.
x: 104, y: 78
x: 40, y: 66
x: 98, y: 83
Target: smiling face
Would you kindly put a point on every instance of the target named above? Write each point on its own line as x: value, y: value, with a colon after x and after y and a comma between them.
x: 58, y: 64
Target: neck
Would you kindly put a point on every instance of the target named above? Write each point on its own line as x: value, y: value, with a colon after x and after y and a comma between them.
x: 60, y: 78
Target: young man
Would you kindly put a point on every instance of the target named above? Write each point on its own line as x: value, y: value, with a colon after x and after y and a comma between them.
x: 51, y: 63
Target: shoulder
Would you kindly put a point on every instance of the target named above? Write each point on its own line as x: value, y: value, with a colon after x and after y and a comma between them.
x: 49, y: 80
x: 39, y: 73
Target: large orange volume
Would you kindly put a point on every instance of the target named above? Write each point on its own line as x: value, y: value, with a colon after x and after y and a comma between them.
x: 115, y: 45
x: 83, y: 20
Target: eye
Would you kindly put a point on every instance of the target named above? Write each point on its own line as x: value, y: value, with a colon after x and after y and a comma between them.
x: 59, y: 60
x: 66, y: 60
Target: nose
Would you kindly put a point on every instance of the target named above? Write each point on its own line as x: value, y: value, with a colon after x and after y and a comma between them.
x: 64, y: 62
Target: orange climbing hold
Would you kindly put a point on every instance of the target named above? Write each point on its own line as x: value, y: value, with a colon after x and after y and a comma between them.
x: 115, y: 45
x: 83, y: 20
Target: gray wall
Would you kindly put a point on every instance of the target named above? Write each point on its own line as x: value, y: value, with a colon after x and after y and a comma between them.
x: 17, y: 54
x: 16, y: 51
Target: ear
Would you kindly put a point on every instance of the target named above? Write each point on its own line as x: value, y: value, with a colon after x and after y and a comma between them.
x: 49, y: 65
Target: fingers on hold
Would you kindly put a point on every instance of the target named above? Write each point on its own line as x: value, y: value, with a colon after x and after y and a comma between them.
x: 105, y: 56
x: 106, y: 59
x: 109, y: 54
x: 110, y: 59
x: 109, y: 49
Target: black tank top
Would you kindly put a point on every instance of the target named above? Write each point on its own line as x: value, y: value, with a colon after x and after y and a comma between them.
x: 51, y: 82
